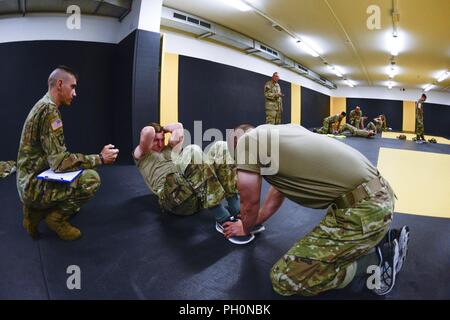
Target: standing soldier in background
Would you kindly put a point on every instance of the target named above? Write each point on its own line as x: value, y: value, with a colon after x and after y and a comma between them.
x: 274, y: 101
x: 42, y: 147
x: 420, y: 138
x: 7, y: 168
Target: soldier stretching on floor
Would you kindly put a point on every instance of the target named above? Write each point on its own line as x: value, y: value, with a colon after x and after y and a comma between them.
x: 331, y: 121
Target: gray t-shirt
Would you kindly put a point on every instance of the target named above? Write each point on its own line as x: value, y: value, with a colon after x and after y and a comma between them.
x: 313, y: 170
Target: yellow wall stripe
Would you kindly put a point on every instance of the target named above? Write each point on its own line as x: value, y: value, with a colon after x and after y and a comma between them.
x: 337, y: 105
x: 169, y: 88
x: 296, y: 104
x: 409, y: 116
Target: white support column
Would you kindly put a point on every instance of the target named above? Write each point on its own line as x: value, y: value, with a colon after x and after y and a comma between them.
x: 144, y: 15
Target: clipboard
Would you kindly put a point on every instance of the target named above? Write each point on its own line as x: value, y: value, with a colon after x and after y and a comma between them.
x: 65, y: 177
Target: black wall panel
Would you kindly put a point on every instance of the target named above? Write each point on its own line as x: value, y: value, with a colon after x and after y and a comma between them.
x: 372, y: 108
x: 25, y: 67
x: 437, y: 119
x: 315, y: 107
x: 118, y: 90
x: 222, y: 96
x: 145, y: 81
x: 123, y: 97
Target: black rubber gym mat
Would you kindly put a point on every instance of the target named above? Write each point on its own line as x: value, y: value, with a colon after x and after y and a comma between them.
x: 131, y: 250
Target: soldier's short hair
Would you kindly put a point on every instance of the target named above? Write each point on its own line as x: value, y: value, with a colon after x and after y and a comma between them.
x: 56, y: 74
x: 69, y: 70
x: 158, y: 128
x: 343, y: 113
x: 424, y: 96
x: 244, y: 127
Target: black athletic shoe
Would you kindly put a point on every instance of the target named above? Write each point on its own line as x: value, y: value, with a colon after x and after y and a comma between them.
x: 388, y: 270
x: 235, y: 240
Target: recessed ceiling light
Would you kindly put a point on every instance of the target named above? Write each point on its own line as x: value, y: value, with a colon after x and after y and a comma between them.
x: 336, y: 71
x: 394, y: 45
x: 307, y: 48
x: 349, y: 83
x: 237, y: 4
x: 390, y: 84
x: 444, y: 76
x: 392, y: 71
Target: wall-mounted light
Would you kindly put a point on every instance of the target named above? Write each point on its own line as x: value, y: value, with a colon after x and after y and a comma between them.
x: 444, y: 76
x: 307, y: 48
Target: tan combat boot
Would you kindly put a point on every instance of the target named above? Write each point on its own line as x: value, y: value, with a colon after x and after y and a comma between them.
x: 31, y: 219
x: 58, y: 222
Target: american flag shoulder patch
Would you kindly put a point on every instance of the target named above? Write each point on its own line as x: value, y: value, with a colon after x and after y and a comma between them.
x: 56, y: 124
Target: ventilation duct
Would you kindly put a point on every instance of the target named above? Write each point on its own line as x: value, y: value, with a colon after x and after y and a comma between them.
x: 205, y: 29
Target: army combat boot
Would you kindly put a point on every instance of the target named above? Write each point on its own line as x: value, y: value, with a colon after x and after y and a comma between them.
x: 31, y: 219
x: 58, y: 222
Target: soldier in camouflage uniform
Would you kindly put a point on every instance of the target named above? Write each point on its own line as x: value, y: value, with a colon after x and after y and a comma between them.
x: 274, y: 100
x: 7, y: 168
x: 328, y: 123
x: 378, y: 125
x: 420, y: 131
x: 356, y: 118
x: 187, y: 181
x: 42, y: 147
x: 357, y: 132
x: 318, y: 172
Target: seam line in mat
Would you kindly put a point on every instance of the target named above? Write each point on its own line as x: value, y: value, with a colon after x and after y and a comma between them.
x: 43, y: 271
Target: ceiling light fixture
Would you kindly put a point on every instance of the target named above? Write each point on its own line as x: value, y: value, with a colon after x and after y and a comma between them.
x: 390, y: 84
x: 349, y: 83
x: 428, y: 87
x: 238, y: 4
x: 444, y: 76
x: 336, y: 71
x: 307, y: 48
x: 392, y: 71
x: 394, y: 45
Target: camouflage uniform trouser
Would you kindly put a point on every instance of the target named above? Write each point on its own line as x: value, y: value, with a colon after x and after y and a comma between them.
x: 356, y: 122
x: 7, y: 168
x: 326, y: 129
x: 273, y: 116
x: 354, y: 131
x: 420, y: 131
x: 319, y: 261
x: 376, y: 128
x: 44, y: 194
x: 201, y: 181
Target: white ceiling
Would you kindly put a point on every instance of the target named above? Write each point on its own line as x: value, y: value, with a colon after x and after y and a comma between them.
x: 338, y: 30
